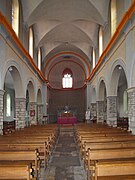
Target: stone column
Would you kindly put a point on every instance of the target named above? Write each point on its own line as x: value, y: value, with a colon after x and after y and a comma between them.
x: 40, y: 113
x: 88, y: 95
x: 131, y: 109
x: 100, y: 111
x: 20, y: 108
x: 33, y: 113
x: 1, y: 111
x: 44, y: 98
x: 93, y: 110
x: 112, y: 111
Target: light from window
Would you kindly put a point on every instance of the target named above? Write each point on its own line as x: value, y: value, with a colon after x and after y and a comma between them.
x: 94, y: 58
x: 67, y: 81
x: 113, y: 16
x: 31, y: 42
x: 15, y: 16
x: 8, y: 105
x: 100, y: 41
x: 39, y: 59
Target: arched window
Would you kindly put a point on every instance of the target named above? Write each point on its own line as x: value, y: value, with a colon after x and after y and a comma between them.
x: 8, y: 105
x: 93, y: 57
x: 113, y: 17
x: 31, y: 40
x: 39, y: 58
x: 15, y: 16
x: 100, y: 41
x: 67, y: 79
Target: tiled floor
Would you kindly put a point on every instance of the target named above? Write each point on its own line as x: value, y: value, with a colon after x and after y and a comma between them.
x: 65, y: 162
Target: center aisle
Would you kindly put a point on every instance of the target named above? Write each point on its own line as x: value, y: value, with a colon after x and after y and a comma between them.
x: 65, y: 162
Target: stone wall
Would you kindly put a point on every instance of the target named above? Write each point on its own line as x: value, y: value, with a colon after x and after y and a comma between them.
x: 33, y: 113
x: 1, y: 111
x: 112, y: 111
x: 93, y: 110
x: 39, y: 113
x: 131, y: 109
x: 20, y: 104
x: 100, y: 111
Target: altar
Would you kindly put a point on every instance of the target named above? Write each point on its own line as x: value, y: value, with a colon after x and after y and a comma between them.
x: 67, y: 116
x: 67, y: 120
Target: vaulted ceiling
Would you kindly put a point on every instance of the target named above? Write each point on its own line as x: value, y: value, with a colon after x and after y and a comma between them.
x: 66, y: 30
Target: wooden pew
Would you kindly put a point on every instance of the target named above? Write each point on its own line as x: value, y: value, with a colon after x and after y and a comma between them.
x: 29, y: 140
x: 105, y: 145
x: 114, y: 170
x: 17, y: 143
x: 16, y: 155
x: 110, y: 145
x: 16, y: 171
x: 107, y: 139
x: 109, y: 154
x: 42, y: 149
x: 34, y: 135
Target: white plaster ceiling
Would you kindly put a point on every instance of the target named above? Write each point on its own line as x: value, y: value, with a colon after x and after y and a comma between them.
x: 66, y: 25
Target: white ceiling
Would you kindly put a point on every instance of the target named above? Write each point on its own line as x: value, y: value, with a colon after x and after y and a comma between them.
x: 66, y: 25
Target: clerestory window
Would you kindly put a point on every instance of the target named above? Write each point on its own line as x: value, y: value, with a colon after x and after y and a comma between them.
x: 31, y: 42
x: 39, y: 58
x: 15, y: 16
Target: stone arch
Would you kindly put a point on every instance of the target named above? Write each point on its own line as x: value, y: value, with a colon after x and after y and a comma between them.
x: 32, y: 104
x: 115, y: 74
x: 102, y: 89
x: 118, y: 87
x: 31, y: 90
x: 13, y: 70
x: 14, y: 95
x: 102, y: 101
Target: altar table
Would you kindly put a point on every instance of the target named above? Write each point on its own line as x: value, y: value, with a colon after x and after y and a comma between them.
x: 67, y: 120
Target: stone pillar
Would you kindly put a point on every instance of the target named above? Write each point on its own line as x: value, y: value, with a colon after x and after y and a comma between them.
x: 33, y: 113
x: 1, y: 111
x: 131, y: 109
x: 44, y: 99
x: 88, y: 95
x: 112, y: 111
x: 93, y: 110
x: 100, y: 111
x: 20, y: 108
x: 40, y: 113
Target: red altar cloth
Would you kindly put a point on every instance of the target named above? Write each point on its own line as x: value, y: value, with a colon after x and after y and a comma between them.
x: 67, y: 120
